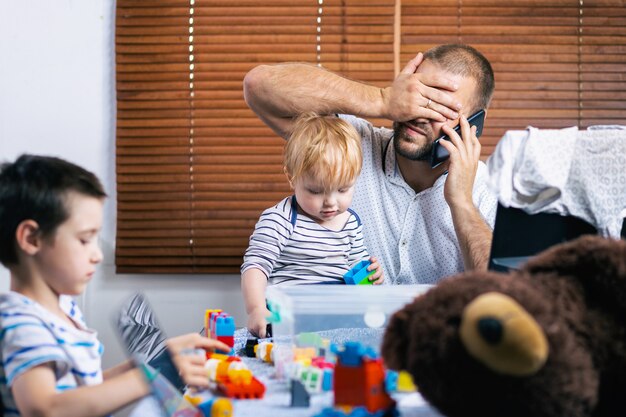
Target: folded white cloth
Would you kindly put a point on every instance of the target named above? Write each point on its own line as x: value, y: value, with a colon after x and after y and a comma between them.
x: 565, y: 171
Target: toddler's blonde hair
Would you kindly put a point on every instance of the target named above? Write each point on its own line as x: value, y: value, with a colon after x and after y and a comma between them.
x: 326, y: 148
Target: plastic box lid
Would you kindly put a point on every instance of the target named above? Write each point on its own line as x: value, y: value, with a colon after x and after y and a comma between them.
x: 338, y: 313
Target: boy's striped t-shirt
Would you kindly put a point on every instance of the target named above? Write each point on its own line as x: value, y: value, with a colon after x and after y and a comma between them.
x: 30, y: 336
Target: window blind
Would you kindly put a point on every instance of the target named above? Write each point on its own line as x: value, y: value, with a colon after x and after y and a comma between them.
x: 195, y: 167
x: 602, y: 69
x: 532, y: 47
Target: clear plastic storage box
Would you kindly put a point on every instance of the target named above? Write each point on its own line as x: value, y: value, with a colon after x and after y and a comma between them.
x: 337, y: 313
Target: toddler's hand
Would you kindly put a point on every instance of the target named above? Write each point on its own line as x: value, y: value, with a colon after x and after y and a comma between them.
x: 188, y: 353
x: 257, y: 321
x: 377, y: 277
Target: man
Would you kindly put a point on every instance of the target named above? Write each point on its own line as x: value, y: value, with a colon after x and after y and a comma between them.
x: 422, y: 223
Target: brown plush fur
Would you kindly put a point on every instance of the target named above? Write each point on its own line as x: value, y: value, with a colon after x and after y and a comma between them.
x: 577, y: 294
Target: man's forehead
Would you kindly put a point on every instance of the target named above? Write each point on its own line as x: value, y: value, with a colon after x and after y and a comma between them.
x: 429, y: 67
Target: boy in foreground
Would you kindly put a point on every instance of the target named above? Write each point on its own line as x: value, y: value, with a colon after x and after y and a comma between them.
x: 50, y: 217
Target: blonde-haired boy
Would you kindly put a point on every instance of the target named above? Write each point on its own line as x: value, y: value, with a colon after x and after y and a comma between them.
x: 50, y: 361
x: 311, y: 237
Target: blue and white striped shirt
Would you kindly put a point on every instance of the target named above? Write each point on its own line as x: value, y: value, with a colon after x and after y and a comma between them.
x: 291, y: 248
x: 30, y: 336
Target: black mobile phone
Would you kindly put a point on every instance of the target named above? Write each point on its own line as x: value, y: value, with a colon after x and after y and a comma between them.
x: 440, y: 154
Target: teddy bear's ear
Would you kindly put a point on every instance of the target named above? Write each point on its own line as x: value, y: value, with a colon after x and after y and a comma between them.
x: 395, y: 341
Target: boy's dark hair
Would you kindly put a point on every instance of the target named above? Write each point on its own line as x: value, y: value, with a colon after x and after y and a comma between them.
x: 466, y: 61
x: 35, y: 187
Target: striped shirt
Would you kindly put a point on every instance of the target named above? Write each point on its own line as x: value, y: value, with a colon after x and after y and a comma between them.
x: 291, y: 248
x: 30, y: 336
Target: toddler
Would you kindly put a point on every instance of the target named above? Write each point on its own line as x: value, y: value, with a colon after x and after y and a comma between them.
x: 311, y: 237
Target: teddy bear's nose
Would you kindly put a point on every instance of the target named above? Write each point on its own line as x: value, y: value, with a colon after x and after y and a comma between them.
x: 491, y: 330
x: 497, y: 331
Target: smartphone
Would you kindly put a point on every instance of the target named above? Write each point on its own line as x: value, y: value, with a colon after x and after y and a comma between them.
x: 440, y: 154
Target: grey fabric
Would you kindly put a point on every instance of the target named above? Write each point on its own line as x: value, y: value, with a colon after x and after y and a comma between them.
x: 140, y: 330
x: 143, y: 337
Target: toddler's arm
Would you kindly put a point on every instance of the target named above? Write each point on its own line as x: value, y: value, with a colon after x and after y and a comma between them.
x: 253, y: 284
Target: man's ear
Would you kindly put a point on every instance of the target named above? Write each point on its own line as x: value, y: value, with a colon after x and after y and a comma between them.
x: 288, y: 177
x: 28, y: 237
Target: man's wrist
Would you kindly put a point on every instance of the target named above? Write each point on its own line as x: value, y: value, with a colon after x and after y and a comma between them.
x: 383, y: 109
x: 462, y: 208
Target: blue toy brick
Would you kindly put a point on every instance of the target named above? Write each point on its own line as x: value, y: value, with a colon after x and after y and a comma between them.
x: 226, y: 352
x: 391, y: 380
x: 206, y: 407
x: 274, y: 312
x: 370, y: 352
x: 361, y: 412
x: 351, y: 355
x: 359, y: 274
x: 330, y: 412
x: 327, y: 380
x: 356, y: 412
x: 225, y: 326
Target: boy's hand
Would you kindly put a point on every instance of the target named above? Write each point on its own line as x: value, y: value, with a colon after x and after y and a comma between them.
x: 257, y: 321
x: 188, y: 353
x: 377, y: 277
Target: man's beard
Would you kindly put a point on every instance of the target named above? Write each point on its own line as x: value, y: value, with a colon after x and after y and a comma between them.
x: 406, y: 146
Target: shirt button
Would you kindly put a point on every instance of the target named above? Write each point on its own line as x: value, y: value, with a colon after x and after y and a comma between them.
x: 404, y: 243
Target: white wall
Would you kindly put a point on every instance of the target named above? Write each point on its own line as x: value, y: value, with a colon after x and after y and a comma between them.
x: 57, y: 97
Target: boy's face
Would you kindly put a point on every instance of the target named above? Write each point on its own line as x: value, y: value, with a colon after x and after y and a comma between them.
x: 322, y: 205
x: 67, y: 259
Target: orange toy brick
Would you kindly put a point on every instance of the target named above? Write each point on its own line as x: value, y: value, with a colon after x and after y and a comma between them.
x: 255, y: 389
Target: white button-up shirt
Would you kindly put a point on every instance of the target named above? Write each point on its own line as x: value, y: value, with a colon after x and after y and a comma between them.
x: 411, y: 234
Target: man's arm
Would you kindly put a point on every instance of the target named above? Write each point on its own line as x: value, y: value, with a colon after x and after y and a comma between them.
x: 474, y: 236
x: 277, y: 93
x: 473, y: 233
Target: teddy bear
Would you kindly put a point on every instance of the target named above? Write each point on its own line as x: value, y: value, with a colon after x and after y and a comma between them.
x: 548, y: 340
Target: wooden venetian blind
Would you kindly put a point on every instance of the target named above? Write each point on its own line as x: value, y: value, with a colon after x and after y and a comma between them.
x: 557, y: 63
x: 195, y: 167
x: 602, y: 69
x: 358, y: 41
